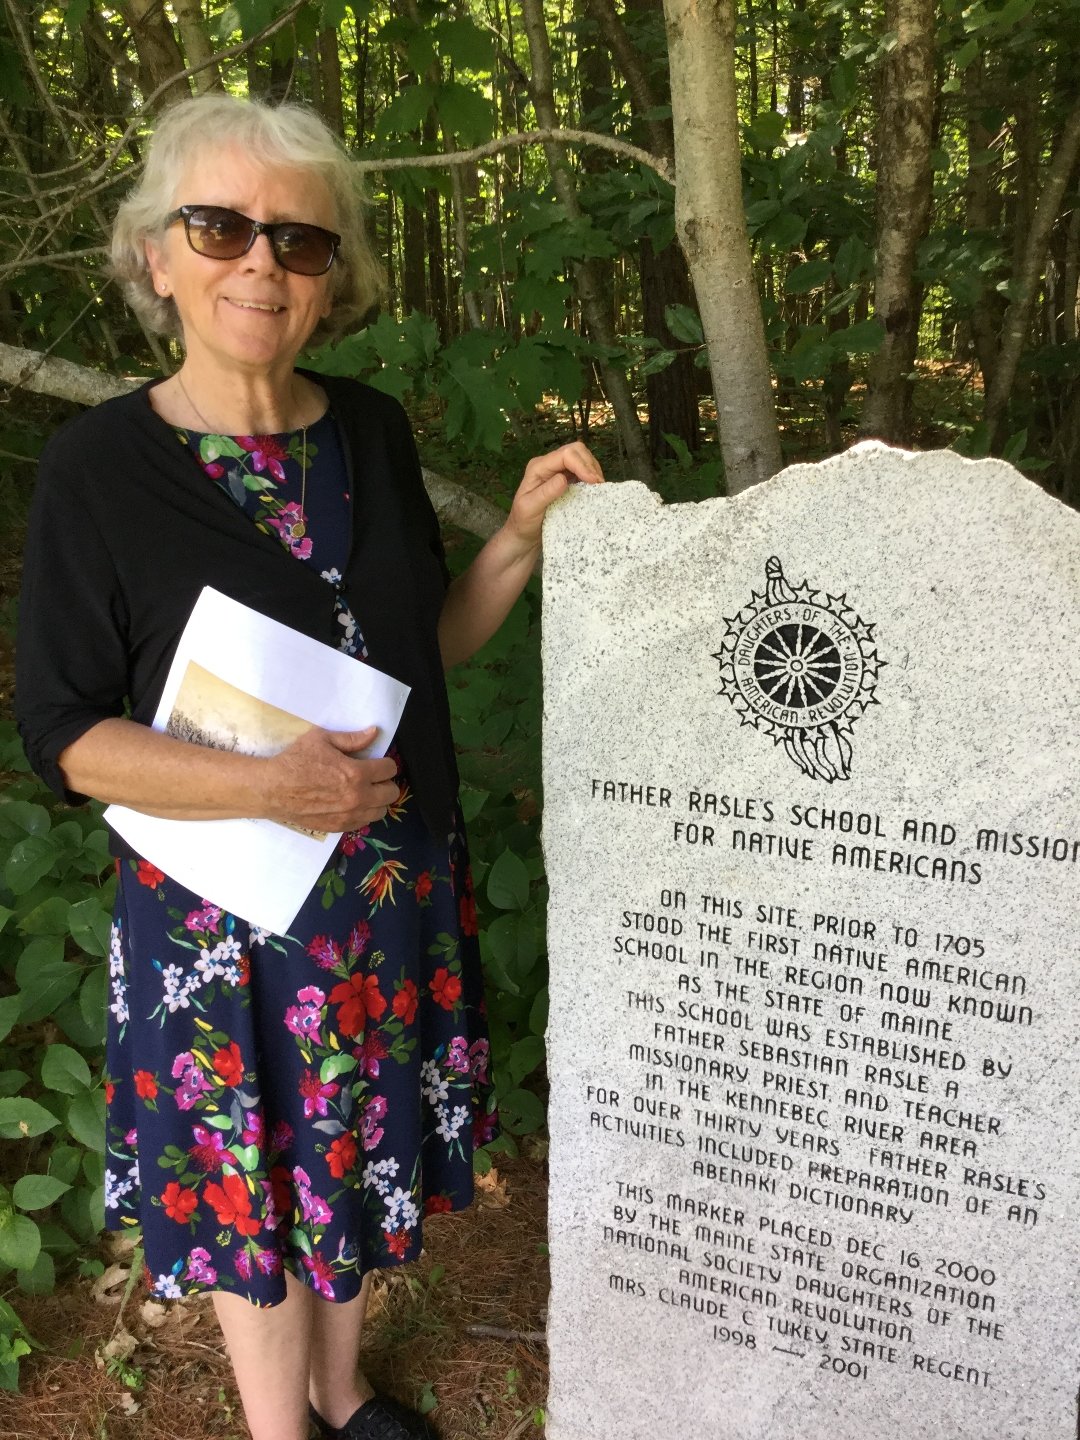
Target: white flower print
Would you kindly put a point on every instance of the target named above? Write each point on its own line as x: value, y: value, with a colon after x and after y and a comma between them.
x: 449, y: 1126
x: 166, y: 1288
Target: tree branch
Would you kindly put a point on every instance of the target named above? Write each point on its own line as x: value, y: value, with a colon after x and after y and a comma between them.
x: 64, y: 380
x: 526, y: 137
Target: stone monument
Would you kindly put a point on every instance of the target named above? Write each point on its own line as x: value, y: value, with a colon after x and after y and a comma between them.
x: 812, y: 827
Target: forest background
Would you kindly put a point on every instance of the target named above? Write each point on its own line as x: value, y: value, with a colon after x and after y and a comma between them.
x: 709, y: 238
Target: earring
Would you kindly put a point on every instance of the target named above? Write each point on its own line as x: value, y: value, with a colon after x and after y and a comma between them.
x: 164, y: 288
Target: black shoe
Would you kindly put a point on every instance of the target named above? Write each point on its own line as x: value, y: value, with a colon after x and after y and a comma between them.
x: 377, y: 1419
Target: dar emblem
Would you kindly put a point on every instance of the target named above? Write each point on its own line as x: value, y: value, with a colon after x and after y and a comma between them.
x: 800, y: 666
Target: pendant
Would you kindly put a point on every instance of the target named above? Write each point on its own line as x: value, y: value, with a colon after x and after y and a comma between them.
x: 298, y: 531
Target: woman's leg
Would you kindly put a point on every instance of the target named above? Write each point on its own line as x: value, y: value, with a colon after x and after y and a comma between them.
x: 337, y: 1388
x: 270, y: 1350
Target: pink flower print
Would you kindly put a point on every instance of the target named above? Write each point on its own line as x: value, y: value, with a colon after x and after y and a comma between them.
x: 312, y: 1207
x: 303, y: 1019
x: 242, y: 1264
x: 371, y: 1131
x: 132, y: 1137
x: 359, y: 938
x: 214, y: 469
x: 205, y: 919
x: 480, y: 1054
x: 484, y: 1127
x: 208, y: 1152
x: 268, y: 1261
x: 281, y: 1137
x: 321, y: 1274
x: 199, y: 1268
x: 457, y: 1057
x: 291, y: 524
x: 316, y: 1094
x: 325, y: 952
x: 353, y: 840
x: 266, y: 454
x: 193, y: 1082
x: 375, y: 1049
x: 254, y: 1128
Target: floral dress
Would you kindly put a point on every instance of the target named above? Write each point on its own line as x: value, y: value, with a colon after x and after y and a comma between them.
x: 296, y: 1101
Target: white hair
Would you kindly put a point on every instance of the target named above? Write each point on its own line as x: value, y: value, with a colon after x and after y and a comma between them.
x: 284, y: 135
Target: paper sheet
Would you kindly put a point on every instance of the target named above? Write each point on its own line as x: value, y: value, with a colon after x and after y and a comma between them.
x: 241, y: 681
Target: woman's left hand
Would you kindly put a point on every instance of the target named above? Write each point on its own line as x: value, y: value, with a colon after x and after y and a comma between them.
x: 546, y: 478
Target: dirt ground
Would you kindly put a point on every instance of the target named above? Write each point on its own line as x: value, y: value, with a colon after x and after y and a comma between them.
x: 462, y: 1327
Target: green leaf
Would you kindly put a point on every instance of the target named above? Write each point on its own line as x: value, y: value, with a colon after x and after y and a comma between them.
x: 23, y: 817
x: 405, y: 113
x: 966, y: 54
x: 684, y: 324
x: 40, y: 1278
x: 463, y: 42
x: 760, y: 211
x: 335, y: 1065
x: 538, y: 1015
x: 86, y: 1119
x: 44, y: 977
x: 767, y: 129
x: 35, y: 1192
x: 861, y: 339
x: 30, y: 861
x: 48, y: 918
x: 853, y: 261
x: 526, y: 1055
x: 9, y: 1013
x: 801, y: 279
x: 843, y: 80
x: 472, y: 801
x: 521, y: 1112
x: 90, y: 925
x: 12, y: 1081
x: 22, y: 1118
x: 20, y: 1241
x: 465, y: 112
x: 783, y: 232
x: 92, y: 1002
x: 64, y: 1069
x: 508, y: 882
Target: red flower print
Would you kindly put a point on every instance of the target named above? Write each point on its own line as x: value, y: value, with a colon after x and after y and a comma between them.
x: 232, y: 1204
x: 321, y: 1274
x: 228, y: 1064
x: 281, y: 1189
x: 110, y: 1091
x: 380, y: 882
x: 341, y: 1156
x: 438, y: 1205
x: 398, y: 1243
x: 325, y: 952
x: 359, y: 997
x: 405, y: 1002
x: 423, y: 885
x: 179, y: 1203
x: 353, y: 840
x: 445, y: 988
x: 208, y: 1152
x: 145, y: 1085
x: 149, y: 875
x: 467, y: 908
x: 316, y: 1094
x: 243, y: 964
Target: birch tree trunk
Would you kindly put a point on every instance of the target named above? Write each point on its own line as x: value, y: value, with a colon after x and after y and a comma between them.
x: 904, y: 191
x: 197, y: 47
x: 711, y: 225
x: 590, y: 291
x: 1025, y: 281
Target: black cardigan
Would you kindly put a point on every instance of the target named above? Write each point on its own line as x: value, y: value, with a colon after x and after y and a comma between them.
x: 125, y: 531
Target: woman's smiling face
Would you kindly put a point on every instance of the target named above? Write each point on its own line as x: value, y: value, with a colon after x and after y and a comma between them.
x: 249, y: 313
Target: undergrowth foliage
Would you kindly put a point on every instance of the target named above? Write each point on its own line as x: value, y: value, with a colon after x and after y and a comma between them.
x: 56, y: 896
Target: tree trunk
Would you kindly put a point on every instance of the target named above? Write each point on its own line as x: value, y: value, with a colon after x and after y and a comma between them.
x: 331, y: 108
x: 438, y: 306
x: 197, y: 47
x: 1025, y: 280
x: 590, y: 293
x: 904, y: 192
x: 711, y: 224
x: 987, y: 310
x: 1071, y: 283
x: 157, y: 48
x: 413, y: 281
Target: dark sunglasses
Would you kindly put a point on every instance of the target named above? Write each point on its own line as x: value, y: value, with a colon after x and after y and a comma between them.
x: 222, y: 234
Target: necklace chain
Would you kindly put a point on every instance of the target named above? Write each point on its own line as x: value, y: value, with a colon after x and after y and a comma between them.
x: 299, y: 530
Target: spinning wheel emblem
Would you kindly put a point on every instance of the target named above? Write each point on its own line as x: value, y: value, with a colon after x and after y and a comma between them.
x: 802, y: 667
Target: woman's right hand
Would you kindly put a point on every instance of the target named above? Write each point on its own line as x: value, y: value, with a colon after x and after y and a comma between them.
x: 323, y: 782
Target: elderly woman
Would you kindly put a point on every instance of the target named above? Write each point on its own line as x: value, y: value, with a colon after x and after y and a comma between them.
x: 283, y: 1109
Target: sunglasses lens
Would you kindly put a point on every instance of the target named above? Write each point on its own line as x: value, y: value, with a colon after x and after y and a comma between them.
x: 221, y: 234
x: 305, y: 249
